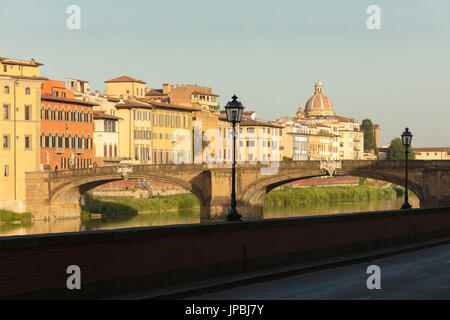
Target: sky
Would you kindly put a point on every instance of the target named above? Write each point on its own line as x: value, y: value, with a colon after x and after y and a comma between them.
x: 268, y: 53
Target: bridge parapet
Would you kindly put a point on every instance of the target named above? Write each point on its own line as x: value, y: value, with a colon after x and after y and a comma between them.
x: 56, y: 194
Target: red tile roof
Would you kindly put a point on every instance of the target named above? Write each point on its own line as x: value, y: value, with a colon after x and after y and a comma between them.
x: 102, y: 115
x: 173, y: 106
x: 124, y: 79
x: 246, y: 122
x: 30, y: 63
x: 67, y: 100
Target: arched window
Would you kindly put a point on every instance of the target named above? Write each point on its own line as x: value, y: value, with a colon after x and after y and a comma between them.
x: 56, y: 145
x: 105, y: 150
x: 115, y: 150
x: 76, y: 141
x: 56, y: 113
x: 82, y: 116
x: 75, y: 116
x: 63, y: 141
x: 42, y: 140
x: 6, y: 90
x: 89, y: 119
x: 110, y: 150
x: 63, y: 114
x: 42, y: 113
x: 47, y: 140
x: 69, y: 115
x: 82, y: 142
x: 27, y: 90
x: 89, y: 143
x: 51, y: 141
x: 48, y: 113
x: 70, y: 142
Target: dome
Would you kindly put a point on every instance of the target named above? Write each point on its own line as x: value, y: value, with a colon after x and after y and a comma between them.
x: 319, y: 105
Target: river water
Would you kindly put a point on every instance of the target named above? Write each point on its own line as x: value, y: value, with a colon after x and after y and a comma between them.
x: 191, y: 217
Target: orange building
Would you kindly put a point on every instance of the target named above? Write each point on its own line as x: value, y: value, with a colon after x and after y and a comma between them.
x: 67, y: 129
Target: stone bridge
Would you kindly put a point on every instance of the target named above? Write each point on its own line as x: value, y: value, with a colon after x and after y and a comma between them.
x: 57, y: 194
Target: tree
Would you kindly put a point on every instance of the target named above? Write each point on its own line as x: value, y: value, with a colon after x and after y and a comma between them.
x: 370, y: 142
x: 396, y: 150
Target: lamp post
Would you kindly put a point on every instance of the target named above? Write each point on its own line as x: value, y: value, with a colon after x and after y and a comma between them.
x: 234, y: 110
x: 406, y: 139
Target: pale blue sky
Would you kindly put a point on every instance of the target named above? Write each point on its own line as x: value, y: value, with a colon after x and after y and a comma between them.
x: 270, y: 53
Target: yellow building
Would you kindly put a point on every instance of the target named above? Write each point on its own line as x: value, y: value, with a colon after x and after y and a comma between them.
x: 20, y: 99
x: 172, y: 139
x: 192, y: 95
x: 135, y: 131
x: 320, y: 142
x: 257, y: 141
x: 125, y: 87
x: 432, y: 153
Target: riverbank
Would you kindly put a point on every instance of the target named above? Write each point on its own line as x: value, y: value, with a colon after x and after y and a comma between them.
x: 290, y: 196
x: 173, y: 203
x: 276, y: 198
x: 9, y: 217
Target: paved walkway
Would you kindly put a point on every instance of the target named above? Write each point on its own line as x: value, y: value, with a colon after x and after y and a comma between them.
x: 421, y: 274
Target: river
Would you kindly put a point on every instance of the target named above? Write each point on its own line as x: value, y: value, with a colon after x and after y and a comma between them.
x: 191, y: 217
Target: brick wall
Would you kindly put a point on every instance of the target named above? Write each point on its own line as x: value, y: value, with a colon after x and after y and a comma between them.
x: 119, y: 261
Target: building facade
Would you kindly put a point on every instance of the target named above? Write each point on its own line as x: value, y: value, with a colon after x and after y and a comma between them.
x: 20, y: 99
x: 67, y: 129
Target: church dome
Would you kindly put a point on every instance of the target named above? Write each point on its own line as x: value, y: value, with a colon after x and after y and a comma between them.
x: 319, y: 105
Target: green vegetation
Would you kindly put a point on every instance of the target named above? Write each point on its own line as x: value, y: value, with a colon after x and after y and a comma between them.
x: 128, y: 207
x: 396, y: 151
x: 369, y: 136
x: 180, y: 202
x: 290, y: 196
x: 9, y: 217
x: 106, y: 208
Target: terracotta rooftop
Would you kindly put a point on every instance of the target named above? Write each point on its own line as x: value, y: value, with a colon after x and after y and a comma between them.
x: 172, y: 106
x: 102, y: 115
x: 155, y: 92
x: 26, y: 78
x: 30, y: 63
x: 124, y: 79
x: 247, y: 122
x: 206, y: 93
x: 68, y: 100
x: 132, y: 103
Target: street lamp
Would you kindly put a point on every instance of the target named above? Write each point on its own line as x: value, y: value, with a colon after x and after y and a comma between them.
x: 406, y: 139
x: 234, y: 110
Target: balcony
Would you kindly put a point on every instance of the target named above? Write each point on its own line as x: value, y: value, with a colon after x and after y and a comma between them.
x: 58, y: 150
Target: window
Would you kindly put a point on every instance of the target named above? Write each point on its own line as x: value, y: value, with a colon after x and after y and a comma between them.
x: 5, y: 141
x: 27, y: 91
x: 6, y: 90
x: 6, y: 171
x: 250, y: 130
x: 5, y: 69
x: 6, y: 111
x: 27, y: 142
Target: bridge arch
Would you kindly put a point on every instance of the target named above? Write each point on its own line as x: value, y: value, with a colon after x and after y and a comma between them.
x: 254, y: 193
x: 72, y: 190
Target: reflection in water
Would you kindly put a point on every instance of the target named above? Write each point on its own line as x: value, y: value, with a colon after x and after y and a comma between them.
x: 190, y: 217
